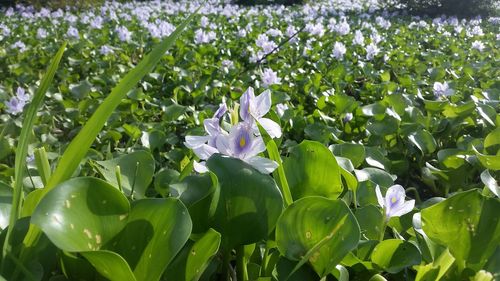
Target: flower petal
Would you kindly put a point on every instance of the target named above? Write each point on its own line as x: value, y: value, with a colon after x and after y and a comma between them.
x: 380, y: 198
x: 271, y: 127
x: 257, y: 147
x: 200, y: 167
x: 404, y: 209
x: 262, y: 164
x: 212, y: 126
x: 261, y: 105
x: 245, y: 101
x: 195, y: 141
x: 223, y: 144
x: 397, y: 193
x: 204, y: 151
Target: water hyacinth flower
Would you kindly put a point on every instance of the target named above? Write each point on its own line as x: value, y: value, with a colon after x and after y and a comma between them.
x: 269, y: 77
x: 72, y: 33
x: 105, y: 50
x: 359, y: 39
x: 15, y: 106
x: 394, y: 203
x: 478, y: 45
x: 254, y: 108
x: 41, y: 33
x: 339, y: 50
x: 244, y: 144
x: 123, y: 34
x: 371, y: 51
x: 442, y: 89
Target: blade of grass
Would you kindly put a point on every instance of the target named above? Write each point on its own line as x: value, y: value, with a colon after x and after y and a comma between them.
x: 22, y: 147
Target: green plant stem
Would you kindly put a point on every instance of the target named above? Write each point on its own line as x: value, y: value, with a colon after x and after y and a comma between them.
x: 42, y: 164
x: 382, y: 233
x: 226, y: 264
x: 241, y: 267
x: 415, y: 192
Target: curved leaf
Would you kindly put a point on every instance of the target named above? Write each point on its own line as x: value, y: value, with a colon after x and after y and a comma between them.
x: 110, y: 265
x: 394, y: 255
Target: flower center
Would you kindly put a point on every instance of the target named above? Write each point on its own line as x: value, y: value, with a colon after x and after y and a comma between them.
x: 243, y: 142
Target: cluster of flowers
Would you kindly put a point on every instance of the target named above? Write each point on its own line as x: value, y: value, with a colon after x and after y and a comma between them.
x: 17, y: 103
x: 240, y: 140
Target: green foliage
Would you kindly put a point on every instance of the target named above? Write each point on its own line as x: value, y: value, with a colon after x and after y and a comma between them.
x: 463, y: 8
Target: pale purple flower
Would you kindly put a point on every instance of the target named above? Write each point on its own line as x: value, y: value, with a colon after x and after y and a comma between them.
x: 15, y: 106
x: 343, y: 28
x: 394, y: 203
x: 442, y: 89
x: 204, y: 21
x: 72, y: 33
x: 269, y: 77
x: 371, y: 51
x: 41, y: 33
x: 254, y: 108
x: 243, y: 143
x: 359, y: 39
x: 19, y: 45
x: 105, y: 50
x: 348, y: 117
x: 123, y: 34
x: 478, y: 45
x: 202, y: 37
x: 339, y: 50
x: 22, y: 95
x: 280, y: 109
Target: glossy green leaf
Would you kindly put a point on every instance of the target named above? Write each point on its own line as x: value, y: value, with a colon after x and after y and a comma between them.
x: 424, y: 141
x: 194, y: 258
x: 136, y: 169
x: 156, y: 230
x: 82, y: 214
x: 490, y: 182
x: 110, y: 265
x: 491, y: 162
x: 371, y: 221
x: 466, y: 223
x: 393, y: 255
x: 311, y: 169
x: 5, y: 204
x: 249, y: 202
x: 352, y: 151
x: 318, y: 230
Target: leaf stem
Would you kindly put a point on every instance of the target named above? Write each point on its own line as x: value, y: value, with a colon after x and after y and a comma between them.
x: 241, y: 267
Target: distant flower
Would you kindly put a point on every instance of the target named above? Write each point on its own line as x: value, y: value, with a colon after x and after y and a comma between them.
x: 22, y: 95
x: 281, y: 108
x: 227, y: 63
x: 41, y: 33
x: 343, y: 28
x: 273, y: 32
x: 371, y: 51
x: 269, y: 77
x: 105, y: 50
x: 442, y: 89
x: 202, y: 37
x: 254, y: 108
x: 478, y: 45
x: 348, y: 117
x: 339, y: 50
x: 15, y: 106
x: 72, y: 33
x: 123, y: 34
x: 394, y: 203
x: 204, y: 21
x: 19, y: 45
x: 359, y: 39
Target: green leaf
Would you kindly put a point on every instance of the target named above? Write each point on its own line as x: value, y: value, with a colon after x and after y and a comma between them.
x: 279, y: 174
x: 352, y: 151
x: 371, y: 221
x: 318, y: 230
x: 78, y: 147
x: 492, y: 138
x: 156, y: 230
x: 491, y: 162
x: 82, y: 214
x: 423, y: 140
x: 136, y: 169
x: 194, y: 258
x: 311, y: 169
x: 110, y: 265
x: 24, y: 140
x: 466, y: 223
x: 394, y: 255
x: 5, y: 204
x: 490, y: 182
x: 249, y: 202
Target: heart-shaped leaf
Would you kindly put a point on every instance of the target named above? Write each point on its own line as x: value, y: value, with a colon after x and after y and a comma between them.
x: 318, y: 230
x: 394, y: 255
x: 311, y: 169
x: 249, y: 202
x: 110, y: 265
x: 82, y: 214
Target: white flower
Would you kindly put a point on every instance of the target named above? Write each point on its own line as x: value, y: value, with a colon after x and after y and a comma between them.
x: 339, y: 50
x: 442, y: 89
x: 371, y: 51
x: 394, y: 203
x: 254, y: 108
x: 269, y: 77
x: 478, y: 45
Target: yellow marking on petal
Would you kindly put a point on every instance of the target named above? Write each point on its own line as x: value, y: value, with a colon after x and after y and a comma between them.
x: 242, y: 142
x: 393, y: 200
